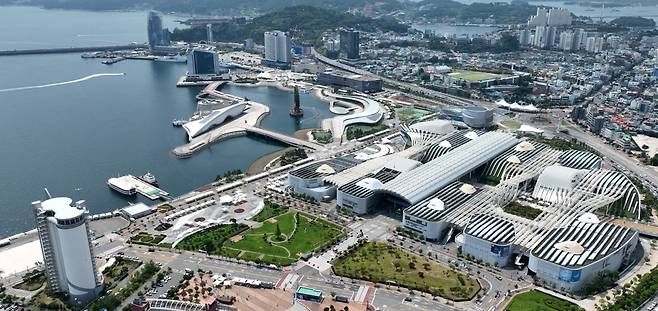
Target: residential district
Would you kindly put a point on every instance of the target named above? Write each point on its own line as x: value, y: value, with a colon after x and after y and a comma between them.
x: 512, y: 170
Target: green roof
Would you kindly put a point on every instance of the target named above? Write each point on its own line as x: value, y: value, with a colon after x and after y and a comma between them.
x: 309, y: 291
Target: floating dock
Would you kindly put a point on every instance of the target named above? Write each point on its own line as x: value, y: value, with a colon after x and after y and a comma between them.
x: 144, y: 188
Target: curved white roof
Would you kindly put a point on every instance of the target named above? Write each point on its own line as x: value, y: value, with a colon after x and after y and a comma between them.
x: 216, y: 117
x: 372, y: 113
x: 556, y: 176
x: 370, y: 183
x: 325, y: 169
x: 434, y: 126
x: 445, y: 144
x: 557, y: 182
x: 62, y: 208
x: 419, y: 183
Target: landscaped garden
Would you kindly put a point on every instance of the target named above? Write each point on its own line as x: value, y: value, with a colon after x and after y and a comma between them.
x: 280, y: 238
x: 381, y: 263
x: 283, y: 239
x: 323, y: 137
x: 520, y: 210
x: 358, y: 131
x: 119, y: 270
x: 146, y: 238
x: 270, y: 210
x: 535, y: 300
x: 32, y: 281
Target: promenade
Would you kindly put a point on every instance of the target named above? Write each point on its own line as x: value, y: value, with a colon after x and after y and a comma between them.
x: 74, y: 49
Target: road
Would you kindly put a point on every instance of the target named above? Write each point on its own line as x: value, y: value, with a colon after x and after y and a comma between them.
x: 631, y: 164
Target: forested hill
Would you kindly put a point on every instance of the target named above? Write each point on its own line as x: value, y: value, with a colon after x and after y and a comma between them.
x: 206, y: 7
x: 501, y: 12
x: 305, y: 22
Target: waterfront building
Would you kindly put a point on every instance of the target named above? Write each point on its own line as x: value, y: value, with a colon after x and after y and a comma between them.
x: 68, y: 255
x: 277, y: 50
x: 202, y: 62
x: 157, y: 35
x: 349, y: 44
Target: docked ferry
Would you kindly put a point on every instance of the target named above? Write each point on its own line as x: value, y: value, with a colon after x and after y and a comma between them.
x: 121, y: 186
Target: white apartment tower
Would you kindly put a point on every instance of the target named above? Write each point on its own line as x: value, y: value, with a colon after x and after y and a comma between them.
x: 67, y: 250
x: 277, y: 47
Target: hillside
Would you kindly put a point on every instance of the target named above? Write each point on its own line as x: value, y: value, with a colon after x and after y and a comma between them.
x: 302, y: 21
x: 206, y: 7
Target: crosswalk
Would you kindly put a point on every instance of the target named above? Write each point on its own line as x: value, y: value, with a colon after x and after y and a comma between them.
x: 289, y: 281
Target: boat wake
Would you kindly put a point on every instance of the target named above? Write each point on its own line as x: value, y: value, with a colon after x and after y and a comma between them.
x: 89, y: 77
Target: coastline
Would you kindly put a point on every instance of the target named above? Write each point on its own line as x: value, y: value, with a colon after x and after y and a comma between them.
x: 260, y: 163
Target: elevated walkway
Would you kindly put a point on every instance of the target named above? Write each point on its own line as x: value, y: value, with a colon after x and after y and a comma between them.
x: 295, y: 142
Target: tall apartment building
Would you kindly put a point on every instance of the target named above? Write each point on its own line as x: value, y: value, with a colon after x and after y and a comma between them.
x: 277, y: 49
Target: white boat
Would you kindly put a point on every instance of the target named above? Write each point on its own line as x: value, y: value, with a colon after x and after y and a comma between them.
x: 172, y: 58
x: 120, y: 186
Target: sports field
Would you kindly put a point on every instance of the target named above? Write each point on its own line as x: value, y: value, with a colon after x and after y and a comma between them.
x: 537, y: 301
x: 283, y: 239
x: 474, y: 76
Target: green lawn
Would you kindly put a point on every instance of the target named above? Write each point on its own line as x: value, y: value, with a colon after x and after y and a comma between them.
x: 212, y: 239
x: 309, y: 234
x: 358, y: 131
x: 474, y: 76
x: 269, y: 210
x: 537, y: 301
x: 382, y: 263
x: 412, y: 113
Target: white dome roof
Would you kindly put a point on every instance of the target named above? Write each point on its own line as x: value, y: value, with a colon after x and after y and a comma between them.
x: 325, y: 169
x: 436, y: 204
x: 589, y: 218
x: 514, y: 159
x: 570, y: 247
x: 467, y: 188
x: 370, y: 183
x: 524, y: 146
x: 434, y: 126
x: 445, y: 144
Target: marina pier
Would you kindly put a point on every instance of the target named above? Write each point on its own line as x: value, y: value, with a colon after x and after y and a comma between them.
x: 74, y: 49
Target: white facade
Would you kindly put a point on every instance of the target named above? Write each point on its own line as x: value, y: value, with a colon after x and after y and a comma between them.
x: 571, y: 257
x: 552, y: 17
x: 66, y: 244
x: 277, y: 47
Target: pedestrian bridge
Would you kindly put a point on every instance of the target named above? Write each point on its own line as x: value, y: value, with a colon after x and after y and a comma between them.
x: 292, y: 141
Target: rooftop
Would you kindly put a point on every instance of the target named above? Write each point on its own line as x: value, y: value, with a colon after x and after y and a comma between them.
x: 62, y: 208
